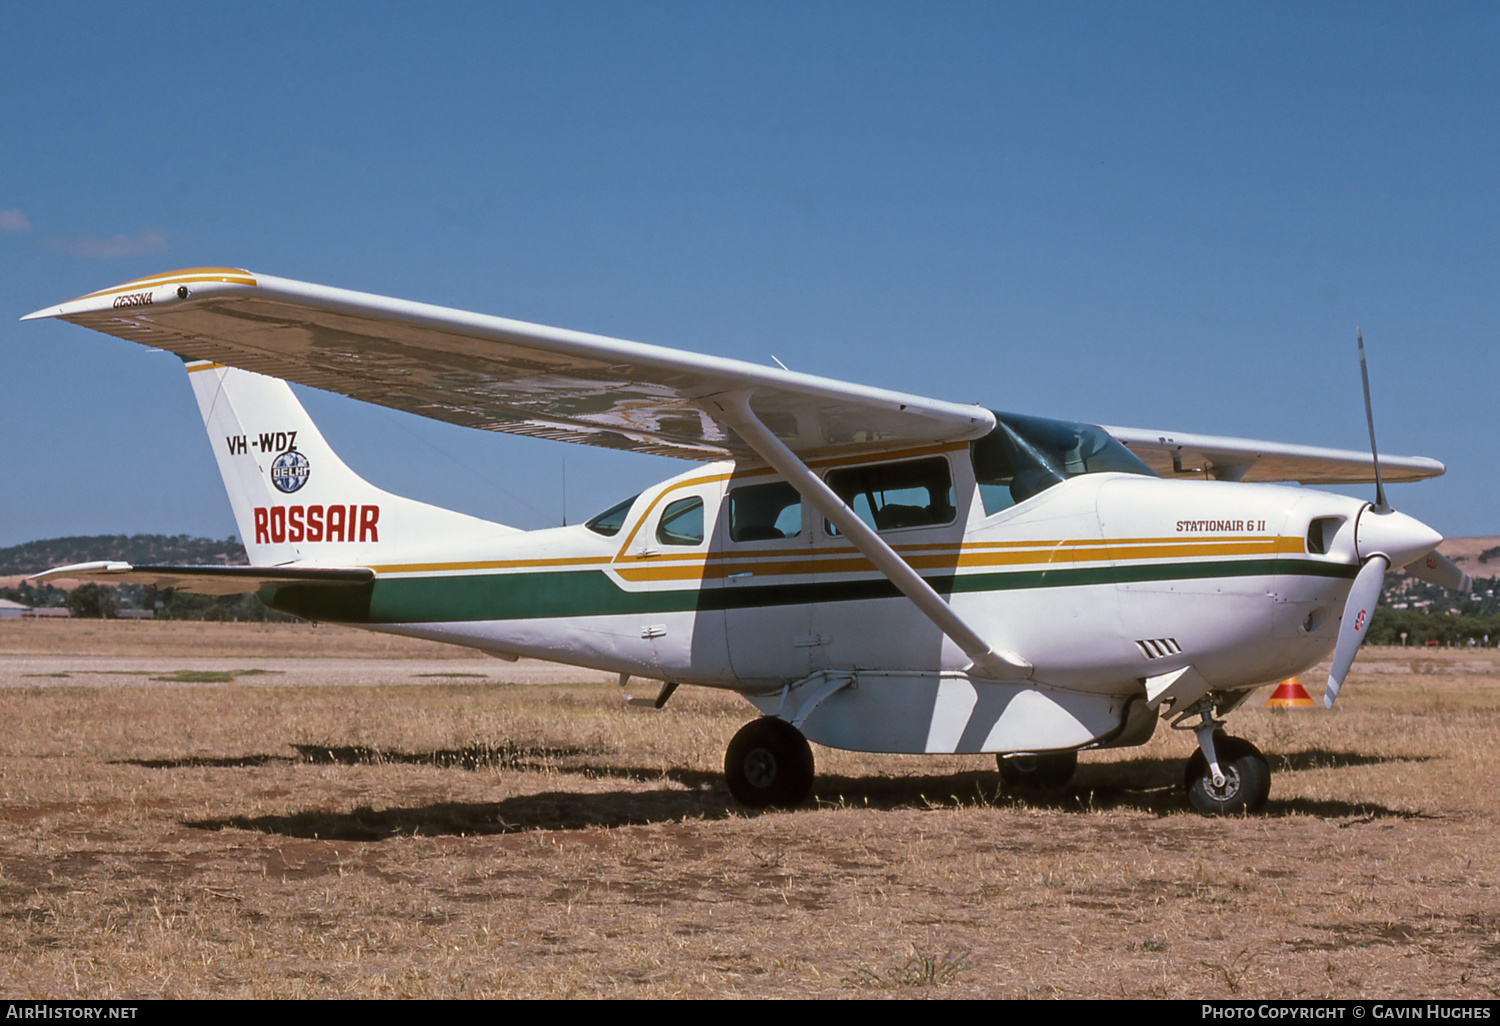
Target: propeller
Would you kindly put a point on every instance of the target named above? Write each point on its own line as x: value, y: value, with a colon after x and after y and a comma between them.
x: 1436, y: 568
x: 1383, y: 538
x: 1352, y: 631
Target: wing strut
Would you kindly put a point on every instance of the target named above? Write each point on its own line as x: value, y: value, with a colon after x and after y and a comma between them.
x: 733, y: 409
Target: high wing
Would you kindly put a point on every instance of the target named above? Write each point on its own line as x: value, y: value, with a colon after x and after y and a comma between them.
x: 1174, y: 454
x: 504, y: 375
x: 206, y: 580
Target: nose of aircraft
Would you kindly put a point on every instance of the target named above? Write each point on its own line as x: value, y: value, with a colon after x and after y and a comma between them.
x: 1384, y: 538
x: 1399, y: 538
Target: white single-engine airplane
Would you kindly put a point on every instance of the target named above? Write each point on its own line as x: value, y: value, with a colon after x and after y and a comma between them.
x: 873, y: 570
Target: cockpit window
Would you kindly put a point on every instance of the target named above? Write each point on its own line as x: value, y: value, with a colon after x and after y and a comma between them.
x: 611, y: 520
x: 1024, y: 456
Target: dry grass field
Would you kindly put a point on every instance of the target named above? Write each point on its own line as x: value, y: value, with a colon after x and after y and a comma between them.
x: 196, y: 810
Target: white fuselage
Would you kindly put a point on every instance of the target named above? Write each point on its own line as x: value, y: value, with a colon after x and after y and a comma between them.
x: 1100, y: 581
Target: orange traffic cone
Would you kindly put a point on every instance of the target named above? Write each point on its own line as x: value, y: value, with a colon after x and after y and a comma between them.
x: 1290, y: 695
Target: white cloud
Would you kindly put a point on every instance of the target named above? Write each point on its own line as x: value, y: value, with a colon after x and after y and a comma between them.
x: 148, y: 241
x: 13, y: 221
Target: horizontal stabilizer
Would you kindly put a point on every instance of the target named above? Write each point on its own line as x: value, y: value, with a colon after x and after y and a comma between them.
x: 206, y: 580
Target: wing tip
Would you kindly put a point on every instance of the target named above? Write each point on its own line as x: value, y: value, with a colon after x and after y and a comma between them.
x: 146, y: 291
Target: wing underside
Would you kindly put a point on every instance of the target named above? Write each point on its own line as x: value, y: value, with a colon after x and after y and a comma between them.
x: 1174, y: 454
x: 504, y: 375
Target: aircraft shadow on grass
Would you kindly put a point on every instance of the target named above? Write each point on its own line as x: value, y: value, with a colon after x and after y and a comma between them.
x: 1146, y: 785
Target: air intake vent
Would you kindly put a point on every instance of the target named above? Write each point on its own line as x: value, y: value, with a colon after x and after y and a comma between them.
x: 1320, y: 534
x: 1156, y: 648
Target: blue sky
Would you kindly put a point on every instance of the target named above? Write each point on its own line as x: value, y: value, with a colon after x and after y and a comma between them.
x: 1160, y: 215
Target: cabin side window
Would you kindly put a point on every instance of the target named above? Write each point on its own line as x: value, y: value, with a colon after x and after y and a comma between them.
x: 889, y: 496
x: 681, y: 523
x: 765, y: 512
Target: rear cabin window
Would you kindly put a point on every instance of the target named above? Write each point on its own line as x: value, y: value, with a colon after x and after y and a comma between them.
x: 764, y: 512
x: 681, y: 523
x: 611, y: 520
x: 888, y: 496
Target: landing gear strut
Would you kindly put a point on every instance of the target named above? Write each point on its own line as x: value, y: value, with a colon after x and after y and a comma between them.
x: 1246, y: 778
x: 769, y: 763
x: 1043, y: 772
x: 1226, y: 774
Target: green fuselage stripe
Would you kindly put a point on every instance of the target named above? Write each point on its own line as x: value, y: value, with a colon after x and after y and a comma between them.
x: 578, y: 593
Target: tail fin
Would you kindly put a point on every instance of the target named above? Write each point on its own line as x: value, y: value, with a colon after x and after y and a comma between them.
x: 295, y: 501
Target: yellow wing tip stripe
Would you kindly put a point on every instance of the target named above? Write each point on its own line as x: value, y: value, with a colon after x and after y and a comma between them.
x: 230, y: 275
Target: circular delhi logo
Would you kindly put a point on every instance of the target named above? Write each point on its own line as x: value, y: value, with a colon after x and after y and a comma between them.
x: 289, y: 471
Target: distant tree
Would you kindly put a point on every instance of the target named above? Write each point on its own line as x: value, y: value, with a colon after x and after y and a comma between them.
x: 1420, y: 627
x: 92, y: 600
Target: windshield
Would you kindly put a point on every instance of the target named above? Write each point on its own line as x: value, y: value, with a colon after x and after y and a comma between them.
x: 1024, y: 456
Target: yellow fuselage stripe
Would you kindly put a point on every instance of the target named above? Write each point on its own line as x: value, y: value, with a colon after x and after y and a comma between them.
x: 795, y: 563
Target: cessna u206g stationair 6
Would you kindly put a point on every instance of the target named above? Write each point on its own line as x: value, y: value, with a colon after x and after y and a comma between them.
x: 872, y: 570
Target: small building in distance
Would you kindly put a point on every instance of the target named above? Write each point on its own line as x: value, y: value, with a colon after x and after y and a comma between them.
x: 12, y: 610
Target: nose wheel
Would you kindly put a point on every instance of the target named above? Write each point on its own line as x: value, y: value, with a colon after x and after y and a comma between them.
x: 769, y: 763
x: 1244, y: 781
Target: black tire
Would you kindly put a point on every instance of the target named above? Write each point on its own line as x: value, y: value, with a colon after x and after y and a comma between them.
x: 1247, y: 778
x: 1047, y: 771
x: 769, y: 763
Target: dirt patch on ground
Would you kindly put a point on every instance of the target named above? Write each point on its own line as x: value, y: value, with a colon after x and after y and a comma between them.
x: 392, y: 834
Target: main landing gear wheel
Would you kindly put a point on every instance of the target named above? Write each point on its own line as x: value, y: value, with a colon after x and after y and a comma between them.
x: 1042, y: 772
x: 770, y: 763
x: 1247, y: 778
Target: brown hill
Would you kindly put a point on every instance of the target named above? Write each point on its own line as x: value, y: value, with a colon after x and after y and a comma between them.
x: 1478, y: 557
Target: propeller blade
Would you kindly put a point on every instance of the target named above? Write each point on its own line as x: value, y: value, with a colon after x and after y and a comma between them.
x: 1364, y: 378
x: 1436, y: 568
x: 1355, y: 624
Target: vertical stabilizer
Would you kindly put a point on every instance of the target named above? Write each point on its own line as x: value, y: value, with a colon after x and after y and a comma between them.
x: 294, y: 500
